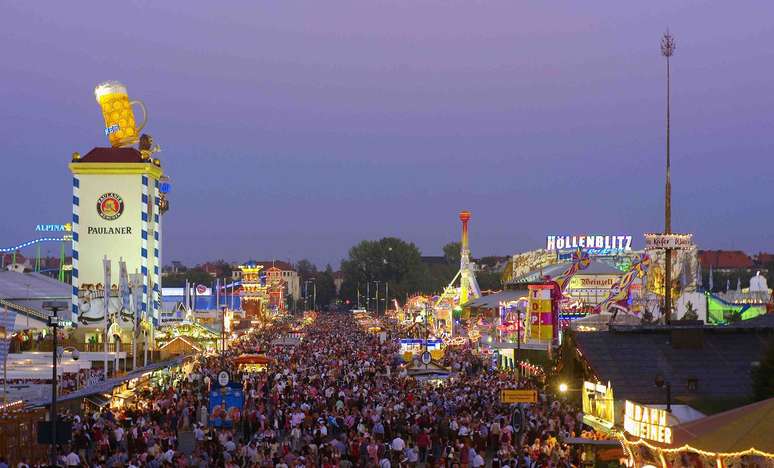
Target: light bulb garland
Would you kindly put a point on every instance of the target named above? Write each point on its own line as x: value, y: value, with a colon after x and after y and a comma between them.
x: 626, y: 443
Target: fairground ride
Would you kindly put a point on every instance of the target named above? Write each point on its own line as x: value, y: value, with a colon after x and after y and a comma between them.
x: 63, y: 242
x: 468, y: 286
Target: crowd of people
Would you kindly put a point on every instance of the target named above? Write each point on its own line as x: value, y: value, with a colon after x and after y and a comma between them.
x: 340, y: 398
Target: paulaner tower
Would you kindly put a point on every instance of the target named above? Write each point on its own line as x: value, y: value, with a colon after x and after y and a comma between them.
x: 116, y: 214
x: 118, y: 199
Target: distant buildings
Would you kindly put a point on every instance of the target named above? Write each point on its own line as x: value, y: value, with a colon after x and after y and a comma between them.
x: 287, y: 273
x: 725, y: 260
x: 731, y: 260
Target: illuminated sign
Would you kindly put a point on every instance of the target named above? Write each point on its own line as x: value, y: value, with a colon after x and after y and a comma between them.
x: 668, y: 241
x: 593, y: 282
x: 647, y: 423
x: 540, y: 309
x: 518, y: 396
x: 609, y: 243
x: 54, y: 321
x: 110, y: 206
x: 598, y: 404
x: 67, y: 227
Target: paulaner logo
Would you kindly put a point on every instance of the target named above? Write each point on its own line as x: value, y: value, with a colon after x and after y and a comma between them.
x: 110, y: 206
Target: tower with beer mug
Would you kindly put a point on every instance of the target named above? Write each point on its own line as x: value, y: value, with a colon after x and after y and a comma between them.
x: 118, y: 199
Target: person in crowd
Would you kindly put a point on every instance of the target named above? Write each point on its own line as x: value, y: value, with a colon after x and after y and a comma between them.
x: 340, y: 398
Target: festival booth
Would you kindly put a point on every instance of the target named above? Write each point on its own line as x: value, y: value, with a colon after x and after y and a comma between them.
x: 652, y: 435
x: 410, y: 347
x: 18, y: 432
x: 741, y: 437
x: 180, y: 345
x: 252, y: 363
x: 198, y: 335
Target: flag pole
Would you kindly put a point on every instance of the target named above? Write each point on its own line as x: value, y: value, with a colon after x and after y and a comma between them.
x: 106, y: 288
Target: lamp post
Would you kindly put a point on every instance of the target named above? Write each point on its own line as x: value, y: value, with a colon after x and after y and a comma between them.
x: 666, y: 385
x: 314, y: 293
x: 53, y: 322
x: 668, y: 46
x: 368, y: 295
x: 222, y: 332
x: 387, y: 294
x: 376, y: 282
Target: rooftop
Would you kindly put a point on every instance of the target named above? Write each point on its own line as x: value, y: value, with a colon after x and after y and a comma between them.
x: 108, y: 155
x: 631, y: 358
x: 19, y: 286
x: 596, y: 267
x: 725, y: 259
x: 285, y: 266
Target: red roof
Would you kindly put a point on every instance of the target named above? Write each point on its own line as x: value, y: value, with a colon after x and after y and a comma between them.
x: 764, y: 259
x: 108, y: 155
x: 725, y: 259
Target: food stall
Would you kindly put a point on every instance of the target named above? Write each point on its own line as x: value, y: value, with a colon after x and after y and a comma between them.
x: 252, y: 363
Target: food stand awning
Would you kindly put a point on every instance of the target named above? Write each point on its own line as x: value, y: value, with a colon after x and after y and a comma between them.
x: 740, y: 429
x: 98, y: 400
x: 252, y: 359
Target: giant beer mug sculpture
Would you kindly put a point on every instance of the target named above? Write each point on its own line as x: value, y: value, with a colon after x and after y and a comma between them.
x: 120, y: 125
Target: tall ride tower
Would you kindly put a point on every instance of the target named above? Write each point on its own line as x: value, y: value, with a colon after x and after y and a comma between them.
x: 468, y: 283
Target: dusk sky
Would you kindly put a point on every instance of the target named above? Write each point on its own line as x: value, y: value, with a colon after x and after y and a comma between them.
x: 294, y: 129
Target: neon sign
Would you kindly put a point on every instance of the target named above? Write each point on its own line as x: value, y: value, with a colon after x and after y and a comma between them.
x: 595, y: 244
x: 647, y: 423
x: 67, y: 227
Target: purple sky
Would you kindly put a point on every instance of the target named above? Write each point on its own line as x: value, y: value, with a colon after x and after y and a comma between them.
x: 294, y: 129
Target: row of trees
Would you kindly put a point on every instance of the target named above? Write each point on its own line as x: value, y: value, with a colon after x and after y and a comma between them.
x: 399, y: 263
x: 311, y: 279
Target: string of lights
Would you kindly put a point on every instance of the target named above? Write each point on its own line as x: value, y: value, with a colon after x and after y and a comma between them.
x: 627, y: 444
x: 33, y: 242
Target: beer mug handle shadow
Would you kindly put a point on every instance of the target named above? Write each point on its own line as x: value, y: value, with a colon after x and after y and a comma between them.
x: 144, y: 115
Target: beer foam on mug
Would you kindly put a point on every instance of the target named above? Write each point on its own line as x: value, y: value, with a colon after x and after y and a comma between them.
x: 109, y: 87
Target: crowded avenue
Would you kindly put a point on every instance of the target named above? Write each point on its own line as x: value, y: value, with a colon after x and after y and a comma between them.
x: 342, y: 397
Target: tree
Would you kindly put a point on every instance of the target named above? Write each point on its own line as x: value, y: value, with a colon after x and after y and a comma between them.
x: 194, y: 276
x: 451, y: 252
x: 326, y: 288
x: 306, y: 270
x: 223, y: 268
x: 388, y: 260
x: 489, y: 280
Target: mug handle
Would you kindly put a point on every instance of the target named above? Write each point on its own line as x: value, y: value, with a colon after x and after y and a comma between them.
x: 144, y: 115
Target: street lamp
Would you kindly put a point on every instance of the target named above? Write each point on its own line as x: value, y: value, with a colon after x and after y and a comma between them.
x: 666, y: 385
x: 314, y: 292
x: 563, y: 388
x: 54, y: 323
x: 377, y: 296
x: 222, y: 332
